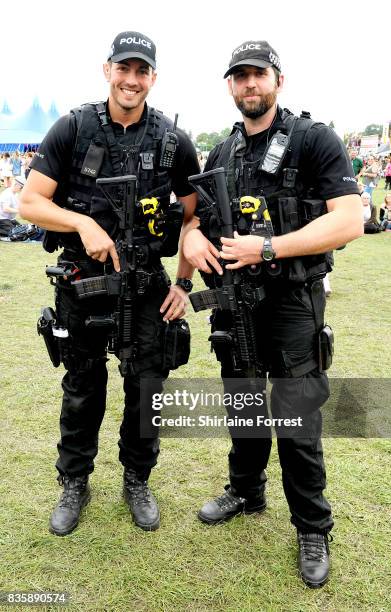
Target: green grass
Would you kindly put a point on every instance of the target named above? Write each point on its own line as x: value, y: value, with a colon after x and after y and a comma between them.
x: 246, y: 565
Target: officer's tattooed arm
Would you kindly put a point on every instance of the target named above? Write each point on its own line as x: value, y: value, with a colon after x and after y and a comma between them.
x: 36, y: 205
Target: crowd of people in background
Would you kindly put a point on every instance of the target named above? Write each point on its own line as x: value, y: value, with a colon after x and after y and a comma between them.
x: 368, y: 172
x: 13, y: 173
x: 13, y: 164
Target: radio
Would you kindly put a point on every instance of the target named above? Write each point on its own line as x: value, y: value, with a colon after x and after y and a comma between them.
x: 169, y: 147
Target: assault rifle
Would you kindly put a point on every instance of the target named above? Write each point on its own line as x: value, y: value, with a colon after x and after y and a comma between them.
x: 121, y: 193
x: 236, y: 291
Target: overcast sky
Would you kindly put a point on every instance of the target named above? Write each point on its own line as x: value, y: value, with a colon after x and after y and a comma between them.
x: 335, y: 56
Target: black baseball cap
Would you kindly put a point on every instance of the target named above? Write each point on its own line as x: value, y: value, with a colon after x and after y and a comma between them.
x: 253, y: 53
x: 127, y: 45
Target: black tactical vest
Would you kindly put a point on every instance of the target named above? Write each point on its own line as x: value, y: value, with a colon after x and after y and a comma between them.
x: 291, y: 199
x: 82, y: 195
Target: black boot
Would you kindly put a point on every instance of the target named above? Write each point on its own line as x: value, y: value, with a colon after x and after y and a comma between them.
x: 142, y: 504
x: 66, y: 514
x: 228, y: 505
x: 314, y: 562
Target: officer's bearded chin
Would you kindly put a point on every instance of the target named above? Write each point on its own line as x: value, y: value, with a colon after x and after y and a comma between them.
x: 253, y: 112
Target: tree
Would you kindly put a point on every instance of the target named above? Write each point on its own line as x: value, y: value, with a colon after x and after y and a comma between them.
x: 373, y: 129
x: 206, y: 141
x: 331, y: 125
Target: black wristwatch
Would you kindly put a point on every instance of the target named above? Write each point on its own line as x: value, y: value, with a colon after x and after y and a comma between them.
x: 268, y: 253
x: 185, y: 284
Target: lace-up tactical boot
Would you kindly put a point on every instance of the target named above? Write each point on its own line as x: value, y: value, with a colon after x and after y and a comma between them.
x: 314, y: 562
x: 142, y: 503
x: 66, y: 514
x: 228, y: 505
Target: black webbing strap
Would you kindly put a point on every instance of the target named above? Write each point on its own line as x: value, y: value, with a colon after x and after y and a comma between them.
x: 300, y: 126
x: 115, y: 150
x: 317, y: 299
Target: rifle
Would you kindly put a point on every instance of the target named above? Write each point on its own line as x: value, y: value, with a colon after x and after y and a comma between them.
x: 236, y: 291
x: 122, y: 285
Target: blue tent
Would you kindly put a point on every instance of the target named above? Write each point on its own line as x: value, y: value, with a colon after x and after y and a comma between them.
x: 33, y: 119
x: 6, y: 109
x: 25, y: 132
x: 5, y: 115
x: 52, y: 115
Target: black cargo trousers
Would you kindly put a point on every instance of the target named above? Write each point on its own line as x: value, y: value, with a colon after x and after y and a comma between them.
x: 85, y: 381
x: 287, y: 341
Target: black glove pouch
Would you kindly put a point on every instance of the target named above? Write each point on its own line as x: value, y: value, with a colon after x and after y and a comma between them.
x: 176, y: 344
x: 326, y: 348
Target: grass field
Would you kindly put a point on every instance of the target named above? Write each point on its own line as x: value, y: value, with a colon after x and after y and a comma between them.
x: 247, y: 565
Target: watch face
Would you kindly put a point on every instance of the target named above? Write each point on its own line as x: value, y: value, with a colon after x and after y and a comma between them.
x: 267, y: 252
x: 185, y: 283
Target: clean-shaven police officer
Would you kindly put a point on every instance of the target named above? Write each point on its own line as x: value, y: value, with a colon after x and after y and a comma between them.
x: 312, y: 197
x: 121, y: 136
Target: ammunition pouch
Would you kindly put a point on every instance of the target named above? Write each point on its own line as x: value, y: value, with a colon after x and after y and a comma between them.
x: 176, y: 344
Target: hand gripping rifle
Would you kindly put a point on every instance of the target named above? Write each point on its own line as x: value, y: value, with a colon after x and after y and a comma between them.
x: 236, y: 291
x: 121, y: 193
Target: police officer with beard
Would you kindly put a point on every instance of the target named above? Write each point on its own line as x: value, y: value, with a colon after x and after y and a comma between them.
x: 302, y: 170
x: 122, y: 136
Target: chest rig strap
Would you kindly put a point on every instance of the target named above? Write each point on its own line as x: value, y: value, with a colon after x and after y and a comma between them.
x: 115, y: 150
x: 299, y: 126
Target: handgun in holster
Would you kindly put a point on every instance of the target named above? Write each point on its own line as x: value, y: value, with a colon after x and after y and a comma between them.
x: 45, y: 325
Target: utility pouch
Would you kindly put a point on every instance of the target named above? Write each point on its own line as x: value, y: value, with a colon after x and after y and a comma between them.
x: 288, y: 211
x: 326, y: 348
x: 50, y: 241
x: 221, y: 344
x: 45, y: 325
x: 176, y: 344
x: 312, y: 209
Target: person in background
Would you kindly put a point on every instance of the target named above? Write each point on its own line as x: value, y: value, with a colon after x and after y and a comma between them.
x: 16, y: 164
x: 7, y: 170
x: 370, y: 175
x: 357, y: 163
x: 385, y: 212
x: 371, y: 226
x: 9, y: 205
x: 1, y: 167
x: 387, y: 175
x: 361, y: 187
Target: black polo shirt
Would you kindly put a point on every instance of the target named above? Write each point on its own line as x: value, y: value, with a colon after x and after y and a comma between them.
x: 54, y: 156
